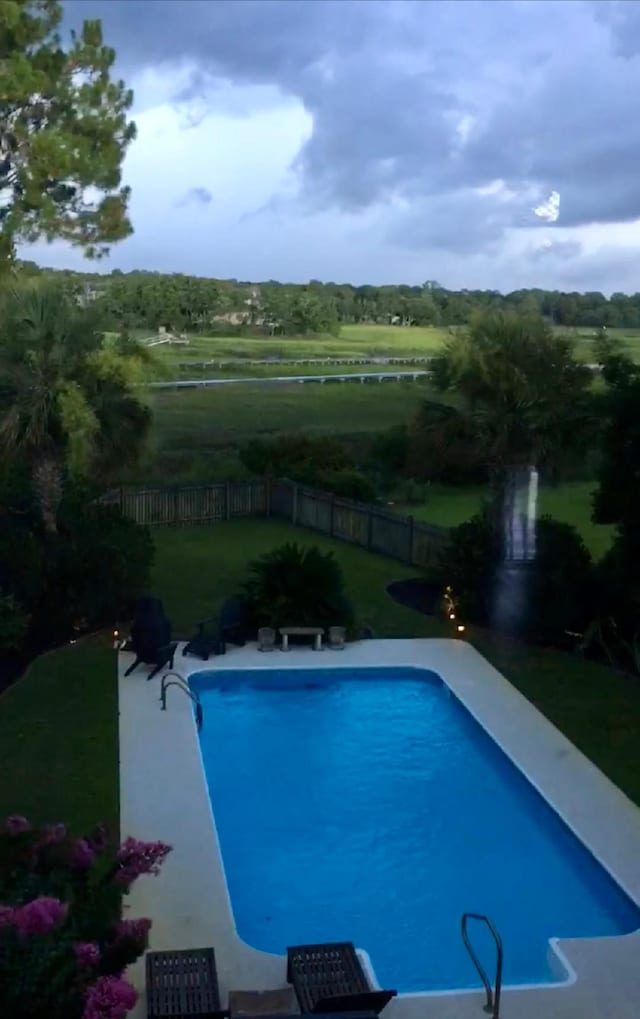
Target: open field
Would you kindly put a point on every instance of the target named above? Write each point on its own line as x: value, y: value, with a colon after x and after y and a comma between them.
x: 196, y: 432
x: 353, y: 341
x: 570, y: 502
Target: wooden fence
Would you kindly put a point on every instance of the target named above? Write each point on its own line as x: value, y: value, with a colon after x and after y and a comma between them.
x: 372, y: 527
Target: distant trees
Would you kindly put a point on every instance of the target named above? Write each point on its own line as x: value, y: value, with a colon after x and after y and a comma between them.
x: 290, y: 311
x: 145, y: 300
x: 63, y: 133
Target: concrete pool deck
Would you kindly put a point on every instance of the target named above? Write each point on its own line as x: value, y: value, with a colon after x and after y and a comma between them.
x: 164, y: 795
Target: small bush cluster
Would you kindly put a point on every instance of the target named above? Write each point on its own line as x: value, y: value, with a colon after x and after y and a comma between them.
x: 297, y: 586
x: 541, y: 599
x: 86, y: 575
x: 64, y: 947
x: 320, y: 463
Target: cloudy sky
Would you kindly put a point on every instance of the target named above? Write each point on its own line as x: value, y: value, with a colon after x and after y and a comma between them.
x: 490, y: 143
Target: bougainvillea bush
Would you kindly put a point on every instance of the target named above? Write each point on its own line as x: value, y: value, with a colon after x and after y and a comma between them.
x: 64, y: 946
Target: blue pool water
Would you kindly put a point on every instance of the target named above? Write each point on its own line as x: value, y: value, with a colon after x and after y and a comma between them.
x: 367, y: 805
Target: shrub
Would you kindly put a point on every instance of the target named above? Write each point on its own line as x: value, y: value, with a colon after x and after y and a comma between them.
x: 351, y: 484
x: 294, y: 586
x: 614, y: 633
x: 298, y: 457
x: 389, y: 451
x: 63, y: 947
x: 540, y: 599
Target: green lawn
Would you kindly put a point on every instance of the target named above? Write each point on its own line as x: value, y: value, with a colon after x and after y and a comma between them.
x: 58, y: 724
x: 449, y: 505
x: 59, y: 738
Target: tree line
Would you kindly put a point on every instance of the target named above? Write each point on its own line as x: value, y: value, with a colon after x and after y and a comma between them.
x: 147, y: 300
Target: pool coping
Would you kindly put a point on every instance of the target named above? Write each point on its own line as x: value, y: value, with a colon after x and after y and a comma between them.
x: 189, y: 902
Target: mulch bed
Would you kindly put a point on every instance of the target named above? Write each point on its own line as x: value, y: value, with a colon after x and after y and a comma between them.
x: 417, y: 593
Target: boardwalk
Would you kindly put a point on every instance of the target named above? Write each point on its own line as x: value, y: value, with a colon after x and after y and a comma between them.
x: 398, y: 376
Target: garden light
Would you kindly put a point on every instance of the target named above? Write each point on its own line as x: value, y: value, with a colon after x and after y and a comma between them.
x: 460, y: 628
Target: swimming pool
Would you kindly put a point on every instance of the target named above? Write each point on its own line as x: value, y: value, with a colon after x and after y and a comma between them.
x: 368, y: 805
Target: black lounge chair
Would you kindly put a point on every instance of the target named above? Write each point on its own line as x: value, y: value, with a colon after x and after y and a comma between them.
x: 330, y: 978
x: 151, y: 636
x: 212, y: 635
x: 182, y: 984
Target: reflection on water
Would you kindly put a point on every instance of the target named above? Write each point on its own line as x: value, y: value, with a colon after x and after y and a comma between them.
x: 519, y: 515
x: 518, y: 525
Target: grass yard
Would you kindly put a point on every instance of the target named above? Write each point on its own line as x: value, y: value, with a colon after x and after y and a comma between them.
x: 58, y: 724
x: 59, y: 738
x: 449, y: 505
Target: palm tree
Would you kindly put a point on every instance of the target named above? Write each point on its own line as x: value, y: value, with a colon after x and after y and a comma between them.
x: 518, y: 391
x: 67, y: 405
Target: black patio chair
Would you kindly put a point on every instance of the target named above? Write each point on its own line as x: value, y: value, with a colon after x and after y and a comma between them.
x: 183, y: 984
x: 151, y: 636
x: 212, y: 635
x: 330, y: 978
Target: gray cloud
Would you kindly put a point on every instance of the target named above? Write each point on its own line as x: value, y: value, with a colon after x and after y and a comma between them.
x: 418, y: 106
x: 554, y: 251
x: 196, y: 196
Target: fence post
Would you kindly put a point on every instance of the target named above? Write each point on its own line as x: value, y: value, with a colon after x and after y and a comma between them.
x: 294, y: 504
x: 175, y: 505
x: 227, y: 501
x: 410, y: 523
x: 370, y: 529
x: 331, y: 512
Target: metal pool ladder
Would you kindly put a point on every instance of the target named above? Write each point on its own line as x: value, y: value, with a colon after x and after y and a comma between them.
x: 175, y: 679
x: 493, y: 995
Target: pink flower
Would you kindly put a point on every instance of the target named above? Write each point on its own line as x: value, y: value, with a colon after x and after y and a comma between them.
x: 109, y: 998
x: 136, y: 929
x: 82, y: 855
x: 16, y: 824
x: 6, y: 915
x: 87, y: 954
x: 40, y: 916
x: 135, y: 858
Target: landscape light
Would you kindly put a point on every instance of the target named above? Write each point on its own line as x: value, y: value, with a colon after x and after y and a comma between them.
x: 460, y: 628
x: 452, y: 615
x: 115, y: 638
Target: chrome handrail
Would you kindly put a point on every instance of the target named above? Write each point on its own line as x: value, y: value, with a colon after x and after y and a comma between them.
x: 493, y: 994
x: 182, y: 684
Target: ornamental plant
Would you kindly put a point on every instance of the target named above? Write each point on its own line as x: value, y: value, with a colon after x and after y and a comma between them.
x: 64, y: 946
